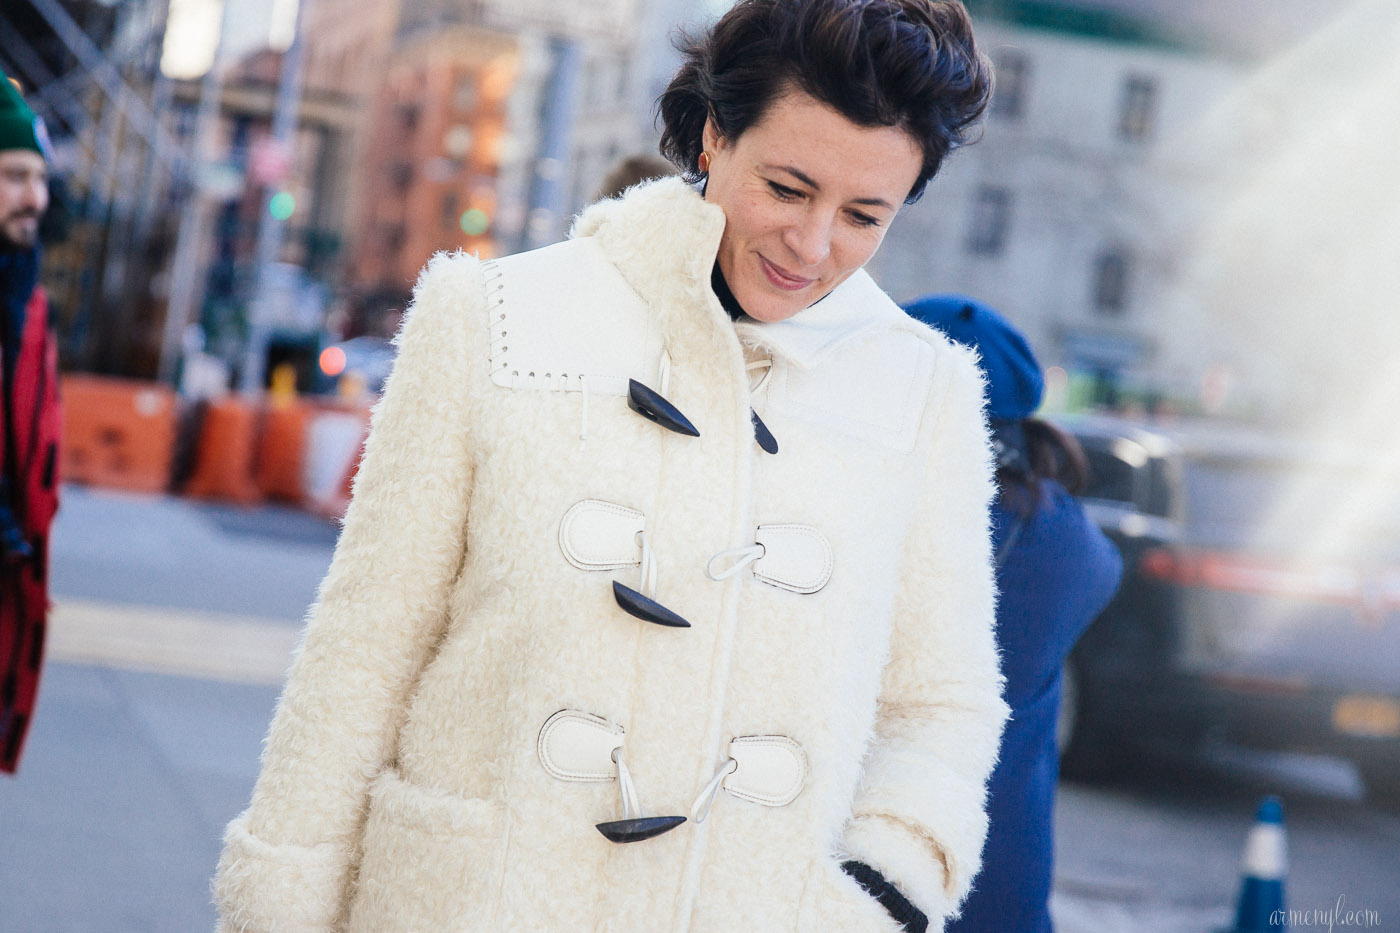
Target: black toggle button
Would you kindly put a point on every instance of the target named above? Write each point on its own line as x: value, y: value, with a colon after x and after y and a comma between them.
x: 653, y: 406
x: 650, y: 610
x: 639, y: 829
x: 765, y: 437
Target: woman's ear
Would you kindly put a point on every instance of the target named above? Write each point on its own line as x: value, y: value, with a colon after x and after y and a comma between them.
x: 711, y: 140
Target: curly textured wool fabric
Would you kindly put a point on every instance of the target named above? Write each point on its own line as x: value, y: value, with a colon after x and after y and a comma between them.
x: 402, y: 787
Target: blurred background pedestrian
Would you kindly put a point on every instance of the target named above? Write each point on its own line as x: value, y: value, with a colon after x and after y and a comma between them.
x: 633, y: 170
x: 1055, y: 572
x: 29, y: 419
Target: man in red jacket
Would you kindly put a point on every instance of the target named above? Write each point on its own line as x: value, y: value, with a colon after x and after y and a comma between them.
x: 29, y: 419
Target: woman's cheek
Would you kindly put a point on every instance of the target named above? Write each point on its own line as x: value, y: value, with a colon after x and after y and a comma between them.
x: 860, y: 246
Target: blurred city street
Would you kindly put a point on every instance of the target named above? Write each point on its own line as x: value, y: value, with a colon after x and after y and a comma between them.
x: 172, y: 626
x: 1186, y: 207
x: 173, y: 623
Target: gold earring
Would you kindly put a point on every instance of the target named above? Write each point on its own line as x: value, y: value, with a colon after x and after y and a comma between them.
x: 704, y: 163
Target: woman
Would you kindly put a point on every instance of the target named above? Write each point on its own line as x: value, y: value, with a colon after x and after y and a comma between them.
x: 1055, y: 573
x: 648, y: 616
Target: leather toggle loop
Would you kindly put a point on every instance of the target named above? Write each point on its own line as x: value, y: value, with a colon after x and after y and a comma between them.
x: 738, y: 558
x: 700, y: 809
x: 797, y: 557
x: 771, y: 769
x: 599, y: 535
x: 651, y: 405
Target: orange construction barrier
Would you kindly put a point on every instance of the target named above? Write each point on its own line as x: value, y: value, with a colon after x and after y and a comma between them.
x: 224, y: 458
x: 117, y: 432
x: 282, y: 452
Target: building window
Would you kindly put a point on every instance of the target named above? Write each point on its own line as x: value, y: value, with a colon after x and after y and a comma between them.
x: 1111, y: 271
x: 1139, y: 106
x: 1009, y: 99
x: 991, y: 216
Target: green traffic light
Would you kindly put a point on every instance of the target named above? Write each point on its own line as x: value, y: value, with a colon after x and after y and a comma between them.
x: 282, y: 205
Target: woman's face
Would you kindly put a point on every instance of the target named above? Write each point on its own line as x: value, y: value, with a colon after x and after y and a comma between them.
x: 807, y: 197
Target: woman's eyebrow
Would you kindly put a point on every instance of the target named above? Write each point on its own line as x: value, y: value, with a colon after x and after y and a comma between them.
x: 807, y: 180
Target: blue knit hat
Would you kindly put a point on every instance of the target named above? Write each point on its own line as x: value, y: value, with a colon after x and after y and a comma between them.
x: 1014, y: 380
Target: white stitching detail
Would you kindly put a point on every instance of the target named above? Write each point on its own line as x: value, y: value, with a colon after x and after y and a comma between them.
x: 789, y: 794
x: 594, y: 562
x: 821, y: 575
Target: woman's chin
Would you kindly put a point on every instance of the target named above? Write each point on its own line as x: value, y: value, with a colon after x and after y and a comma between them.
x: 771, y: 308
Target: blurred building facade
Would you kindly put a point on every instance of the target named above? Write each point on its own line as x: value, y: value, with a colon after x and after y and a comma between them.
x: 1124, y: 204
x: 1076, y: 210
x: 436, y: 131
x: 484, y: 126
x: 420, y: 125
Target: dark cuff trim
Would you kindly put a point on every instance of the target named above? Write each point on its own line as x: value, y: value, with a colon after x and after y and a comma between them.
x: 888, y: 895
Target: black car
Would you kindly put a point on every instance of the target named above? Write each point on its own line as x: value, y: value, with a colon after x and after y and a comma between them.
x: 1260, y: 602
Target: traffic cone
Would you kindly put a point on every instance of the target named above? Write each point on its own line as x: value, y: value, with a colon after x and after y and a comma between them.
x: 1265, y: 867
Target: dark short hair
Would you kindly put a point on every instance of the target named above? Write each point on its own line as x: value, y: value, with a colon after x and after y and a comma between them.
x: 1049, y: 453
x: 912, y: 64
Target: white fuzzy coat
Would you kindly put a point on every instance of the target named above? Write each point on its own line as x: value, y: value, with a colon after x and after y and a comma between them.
x: 401, y: 787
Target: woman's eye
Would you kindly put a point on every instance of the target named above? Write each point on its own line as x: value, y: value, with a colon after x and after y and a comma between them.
x: 864, y: 220
x: 783, y: 192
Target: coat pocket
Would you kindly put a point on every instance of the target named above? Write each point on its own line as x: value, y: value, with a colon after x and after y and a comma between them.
x: 833, y: 901
x: 430, y: 861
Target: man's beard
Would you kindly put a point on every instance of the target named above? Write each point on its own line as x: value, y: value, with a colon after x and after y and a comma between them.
x: 28, y: 234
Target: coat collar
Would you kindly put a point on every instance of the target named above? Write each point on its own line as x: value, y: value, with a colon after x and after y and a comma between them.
x: 663, y: 237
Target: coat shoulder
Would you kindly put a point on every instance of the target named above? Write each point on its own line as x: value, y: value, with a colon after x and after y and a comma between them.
x: 956, y: 372
x: 448, y: 290
x: 562, y: 316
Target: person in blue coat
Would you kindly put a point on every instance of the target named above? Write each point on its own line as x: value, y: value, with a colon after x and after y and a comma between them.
x: 1055, y: 572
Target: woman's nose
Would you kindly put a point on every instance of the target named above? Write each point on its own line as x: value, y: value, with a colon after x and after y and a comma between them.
x: 810, y: 240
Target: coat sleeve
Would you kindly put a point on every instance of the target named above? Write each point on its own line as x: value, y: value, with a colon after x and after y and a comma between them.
x: 287, y: 860
x: 919, y: 816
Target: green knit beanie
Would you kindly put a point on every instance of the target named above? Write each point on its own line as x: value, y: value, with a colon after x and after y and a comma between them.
x: 19, y: 127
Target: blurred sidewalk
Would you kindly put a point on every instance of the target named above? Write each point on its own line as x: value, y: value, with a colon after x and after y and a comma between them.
x: 174, y: 622
x: 172, y: 627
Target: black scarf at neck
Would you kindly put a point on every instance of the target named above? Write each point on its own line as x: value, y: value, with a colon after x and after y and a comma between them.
x: 725, y: 295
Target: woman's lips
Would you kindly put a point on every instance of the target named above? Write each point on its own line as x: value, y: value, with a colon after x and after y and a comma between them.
x: 781, y: 279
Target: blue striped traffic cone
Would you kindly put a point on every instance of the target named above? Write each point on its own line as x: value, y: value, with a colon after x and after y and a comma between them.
x: 1265, y: 867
